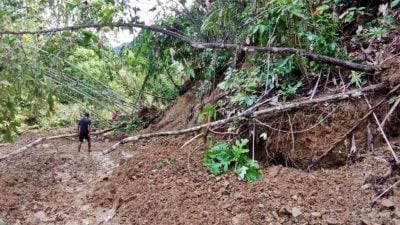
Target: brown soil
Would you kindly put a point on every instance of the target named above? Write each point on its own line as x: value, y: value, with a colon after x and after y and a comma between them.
x: 155, y: 182
x: 53, y: 183
x: 165, y: 187
x: 178, y: 115
x: 390, y: 70
x: 313, y: 136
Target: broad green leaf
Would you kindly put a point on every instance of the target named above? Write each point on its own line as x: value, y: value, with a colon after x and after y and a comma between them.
x: 252, y: 174
x: 190, y: 72
x: 213, y: 167
x: 106, y: 15
x: 394, y: 3
x: 321, y: 9
x: 241, y: 171
x: 110, y: 1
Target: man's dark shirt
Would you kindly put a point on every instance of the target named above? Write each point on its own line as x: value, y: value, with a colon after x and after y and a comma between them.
x: 84, y: 125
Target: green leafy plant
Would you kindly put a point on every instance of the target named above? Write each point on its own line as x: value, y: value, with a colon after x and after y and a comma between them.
x: 393, y: 99
x: 209, y: 112
x: 284, y: 65
x: 376, y: 32
x: 356, y: 77
x: 287, y: 89
x: 132, y: 125
x: 351, y: 14
x: 379, y: 27
x: 221, y: 156
x: 321, y: 120
x: 218, y: 158
x: 394, y: 3
x: 243, y: 83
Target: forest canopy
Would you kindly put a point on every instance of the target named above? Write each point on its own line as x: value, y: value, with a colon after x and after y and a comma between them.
x: 199, y: 44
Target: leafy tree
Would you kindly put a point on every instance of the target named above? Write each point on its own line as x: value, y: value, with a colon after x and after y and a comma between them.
x: 38, y: 71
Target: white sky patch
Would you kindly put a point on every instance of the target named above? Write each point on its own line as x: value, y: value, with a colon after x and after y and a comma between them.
x: 146, y: 15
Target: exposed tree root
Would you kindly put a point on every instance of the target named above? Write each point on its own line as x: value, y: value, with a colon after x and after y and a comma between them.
x: 42, y: 139
x: 191, y: 140
x: 200, y: 45
x: 351, y: 130
x: 385, y: 192
x: 383, y: 133
x: 390, y: 112
x: 241, y: 116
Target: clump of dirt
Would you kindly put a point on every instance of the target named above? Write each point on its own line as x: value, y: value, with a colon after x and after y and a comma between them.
x: 178, y: 115
x: 185, y: 111
x: 296, y: 137
x: 390, y: 70
x: 148, y: 113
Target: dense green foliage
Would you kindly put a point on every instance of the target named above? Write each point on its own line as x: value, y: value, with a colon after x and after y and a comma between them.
x: 38, y: 72
x: 220, y: 157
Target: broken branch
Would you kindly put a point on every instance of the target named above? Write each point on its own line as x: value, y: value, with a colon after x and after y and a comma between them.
x: 201, y: 45
x: 384, y: 192
x: 383, y: 133
x: 42, y: 139
x: 390, y: 112
x: 191, y: 140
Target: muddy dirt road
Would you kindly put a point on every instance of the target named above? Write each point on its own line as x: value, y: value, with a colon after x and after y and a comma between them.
x: 159, y: 184
x: 53, y: 183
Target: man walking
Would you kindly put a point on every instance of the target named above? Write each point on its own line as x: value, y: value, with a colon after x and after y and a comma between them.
x: 84, y: 131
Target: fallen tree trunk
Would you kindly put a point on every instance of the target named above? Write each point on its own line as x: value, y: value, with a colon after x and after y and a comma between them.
x: 241, y: 116
x: 42, y: 139
x: 201, y: 45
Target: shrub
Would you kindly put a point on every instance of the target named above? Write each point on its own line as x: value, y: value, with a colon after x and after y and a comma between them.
x: 221, y: 156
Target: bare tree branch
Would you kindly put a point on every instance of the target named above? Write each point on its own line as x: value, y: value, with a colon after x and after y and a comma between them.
x: 42, y: 139
x: 201, y: 45
x: 385, y: 192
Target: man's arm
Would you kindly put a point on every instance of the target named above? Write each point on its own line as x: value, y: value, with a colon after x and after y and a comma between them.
x: 78, y: 126
x: 89, y: 131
